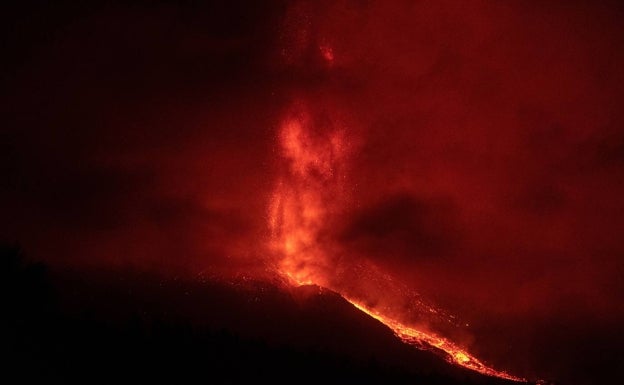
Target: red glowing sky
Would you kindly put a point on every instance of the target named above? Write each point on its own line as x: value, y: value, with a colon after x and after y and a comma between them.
x: 483, y: 142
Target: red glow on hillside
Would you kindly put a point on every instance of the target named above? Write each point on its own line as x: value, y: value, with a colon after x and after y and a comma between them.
x: 427, y: 341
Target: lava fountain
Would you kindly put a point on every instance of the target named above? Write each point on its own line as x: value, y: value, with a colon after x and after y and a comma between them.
x: 309, y: 195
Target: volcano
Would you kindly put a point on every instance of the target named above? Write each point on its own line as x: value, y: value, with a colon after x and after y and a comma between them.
x: 305, y: 191
x: 113, y: 326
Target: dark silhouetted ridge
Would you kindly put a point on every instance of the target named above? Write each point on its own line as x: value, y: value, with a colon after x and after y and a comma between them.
x: 115, y: 327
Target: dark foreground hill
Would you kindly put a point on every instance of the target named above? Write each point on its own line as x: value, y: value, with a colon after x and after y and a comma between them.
x: 117, y: 327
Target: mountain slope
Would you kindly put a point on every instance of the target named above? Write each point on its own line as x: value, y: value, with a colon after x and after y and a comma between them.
x: 111, y: 327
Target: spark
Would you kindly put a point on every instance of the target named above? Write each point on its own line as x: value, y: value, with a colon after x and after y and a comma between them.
x: 328, y: 53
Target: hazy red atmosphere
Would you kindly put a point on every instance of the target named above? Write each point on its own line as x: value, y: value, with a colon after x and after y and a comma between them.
x: 458, y: 165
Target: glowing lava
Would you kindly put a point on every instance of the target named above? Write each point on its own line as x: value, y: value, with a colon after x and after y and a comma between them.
x: 304, y: 201
x: 422, y: 340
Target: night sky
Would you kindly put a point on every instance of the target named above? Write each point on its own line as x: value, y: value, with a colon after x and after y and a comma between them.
x: 467, y: 153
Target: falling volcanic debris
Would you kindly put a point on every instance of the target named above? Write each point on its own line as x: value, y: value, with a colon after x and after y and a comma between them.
x: 312, y: 191
x: 299, y: 207
x: 309, y: 193
x: 315, y: 145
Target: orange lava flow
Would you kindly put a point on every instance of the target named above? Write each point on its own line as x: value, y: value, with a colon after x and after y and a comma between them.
x: 309, y: 194
x: 422, y: 340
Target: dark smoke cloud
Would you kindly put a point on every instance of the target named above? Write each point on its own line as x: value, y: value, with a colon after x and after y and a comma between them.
x: 403, y: 227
